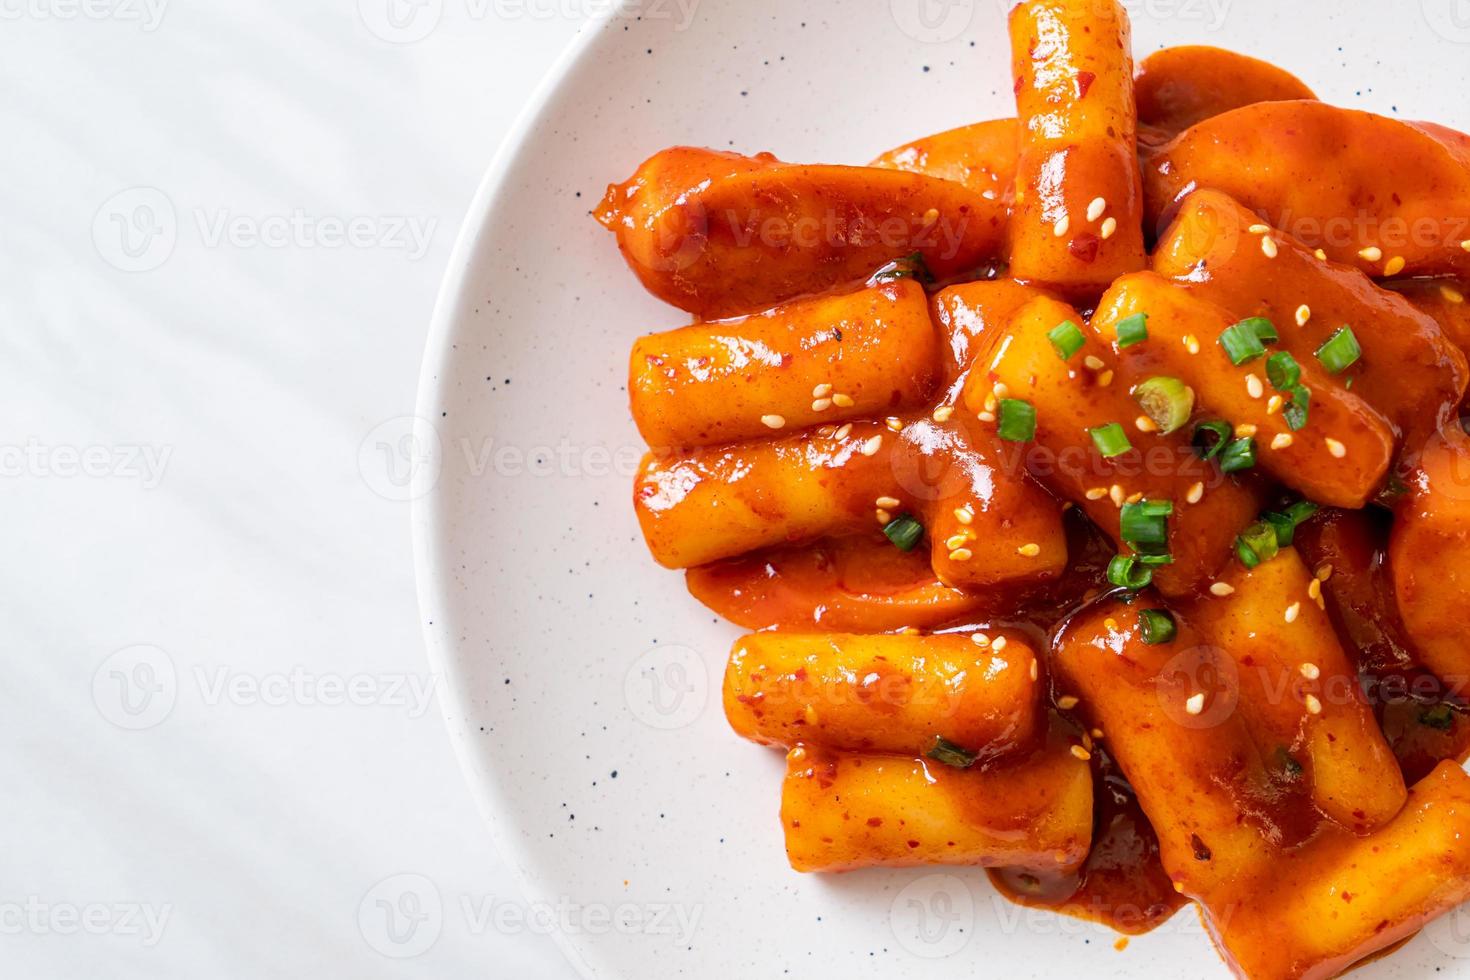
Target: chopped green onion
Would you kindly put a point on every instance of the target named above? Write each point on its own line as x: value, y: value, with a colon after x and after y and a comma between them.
x: 1132, y: 330
x: 1340, y: 351
x: 1286, y: 522
x: 1256, y: 544
x: 1168, y: 402
x: 904, y: 532
x: 1283, y: 371
x: 1238, y: 454
x: 1110, y: 439
x: 1242, y: 341
x: 1145, y: 525
x: 1156, y: 626
x: 1126, y: 572
x: 1067, y: 339
x: 1017, y: 420
x: 1206, y: 448
x: 1296, y: 411
x: 1155, y: 559
x: 911, y: 266
x: 1441, y: 717
x: 951, y: 754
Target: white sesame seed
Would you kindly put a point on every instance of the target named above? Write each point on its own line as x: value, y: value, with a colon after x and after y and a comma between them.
x: 1321, y: 254
x: 986, y: 416
x: 1096, y: 208
x: 1451, y: 294
x: 1191, y: 343
x: 773, y: 421
x: 1281, y: 441
x: 1310, y: 671
x: 1111, y: 624
x: 1222, y: 589
x: 894, y: 425
x: 872, y: 445
x: 842, y: 401
x: 1303, y: 314
x: 1268, y: 245
x: 1313, y: 705
x: 1094, y: 362
x: 988, y: 195
x: 843, y: 432
x: 1336, y: 448
x: 961, y: 554
x: 980, y: 639
x: 1274, y: 405
x: 811, y: 715
x: 1293, y: 611
x: 1314, y: 588
x: 1258, y: 229
x: 827, y: 431
x: 1109, y: 226
x: 1371, y: 254
x: 1195, y: 704
x: 1145, y: 424
x: 1253, y: 386
x: 1324, y: 571
x: 797, y: 754
x: 822, y: 390
x: 944, y: 413
x: 1029, y: 550
x: 1465, y: 244
x: 1105, y: 379
x: 1000, y: 389
x: 1097, y: 493
x: 883, y: 516
x: 1196, y: 493
x: 1244, y: 430
x: 956, y: 541
x: 1394, y: 266
x: 1115, y: 493
x: 964, y: 514
x: 1081, y: 753
x: 1067, y: 702
x: 889, y: 502
x: 821, y: 404
x: 1060, y: 228
x: 1135, y: 498
x: 999, y: 644
x: 931, y: 216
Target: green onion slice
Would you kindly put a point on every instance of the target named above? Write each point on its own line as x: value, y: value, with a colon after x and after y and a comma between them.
x: 1017, y: 420
x: 1238, y: 455
x: 1145, y: 525
x: 1168, y: 402
x: 1283, y: 371
x: 1110, y: 439
x: 1286, y: 522
x: 1207, y: 447
x: 951, y: 754
x: 1296, y: 411
x: 1256, y: 544
x: 1132, y: 330
x: 1156, y: 626
x: 1127, y: 572
x: 1067, y: 338
x: 1243, y: 341
x: 1340, y: 351
x: 904, y: 532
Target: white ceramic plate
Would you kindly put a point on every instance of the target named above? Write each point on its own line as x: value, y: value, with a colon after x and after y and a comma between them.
x: 568, y: 655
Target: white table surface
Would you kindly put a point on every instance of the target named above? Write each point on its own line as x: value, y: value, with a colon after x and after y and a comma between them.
x: 217, y: 742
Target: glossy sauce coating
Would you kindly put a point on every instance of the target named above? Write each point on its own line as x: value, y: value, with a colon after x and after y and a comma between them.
x: 981, y: 156
x: 1178, y: 87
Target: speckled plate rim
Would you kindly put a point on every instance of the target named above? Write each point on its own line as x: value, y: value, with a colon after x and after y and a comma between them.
x: 426, y: 517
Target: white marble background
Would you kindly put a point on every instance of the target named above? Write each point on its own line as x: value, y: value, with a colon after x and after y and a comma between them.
x: 222, y: 226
